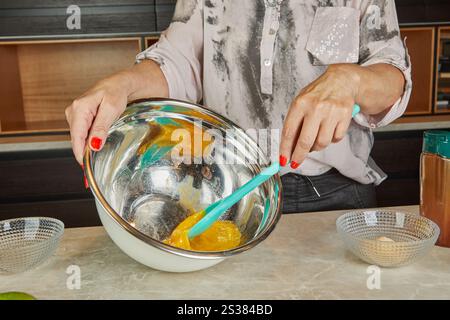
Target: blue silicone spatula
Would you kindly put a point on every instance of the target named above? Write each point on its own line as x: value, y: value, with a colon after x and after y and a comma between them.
x: 356, y: 110
x: 215, y: 210
x: 229, y: 201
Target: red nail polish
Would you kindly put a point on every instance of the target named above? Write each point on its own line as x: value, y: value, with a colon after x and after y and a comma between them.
x: 294, y: 165
x: 86, y: 184
x: 96, y: 143
x: 283, y: 161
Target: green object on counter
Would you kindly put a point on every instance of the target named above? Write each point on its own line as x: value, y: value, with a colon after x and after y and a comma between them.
x: 437, y: 142
x: 16, y: 296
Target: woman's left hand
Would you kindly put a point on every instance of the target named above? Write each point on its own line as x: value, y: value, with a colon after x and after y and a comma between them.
x: 319, y: 115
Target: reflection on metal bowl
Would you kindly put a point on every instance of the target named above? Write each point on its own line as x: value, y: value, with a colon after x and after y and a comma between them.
x: 140, y: 204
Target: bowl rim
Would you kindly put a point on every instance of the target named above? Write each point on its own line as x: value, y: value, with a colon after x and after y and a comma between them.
x: 434, y: 226
x: 55, y: 237
x: 206, y: 255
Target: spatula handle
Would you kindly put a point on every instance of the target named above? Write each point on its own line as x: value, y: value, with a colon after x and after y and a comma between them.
x: 232, y: 199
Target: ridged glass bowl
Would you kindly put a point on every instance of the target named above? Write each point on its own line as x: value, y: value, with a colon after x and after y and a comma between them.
x: 387, y: 238
x: 27, y: 242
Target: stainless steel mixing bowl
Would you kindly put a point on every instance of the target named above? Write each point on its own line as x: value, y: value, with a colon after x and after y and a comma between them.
x: 139, y: 205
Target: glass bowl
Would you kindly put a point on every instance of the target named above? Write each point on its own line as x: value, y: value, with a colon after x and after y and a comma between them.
x: 27, y: 242
x: 387, y: 238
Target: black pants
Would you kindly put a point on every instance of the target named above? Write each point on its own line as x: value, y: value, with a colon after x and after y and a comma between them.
x: 337, y: 192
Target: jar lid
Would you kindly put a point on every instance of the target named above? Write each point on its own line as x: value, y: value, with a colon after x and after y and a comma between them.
x: 437, y: 142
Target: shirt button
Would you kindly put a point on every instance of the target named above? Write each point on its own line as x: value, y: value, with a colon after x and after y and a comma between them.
x: 267, y: 62
x: 373, y: 125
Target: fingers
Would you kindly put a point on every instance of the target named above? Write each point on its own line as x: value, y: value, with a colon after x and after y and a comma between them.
x: 290, y: 132
x: 104, y: 108
x: 341, y: 129
x: 80, y: 115
x: 108, y: 111
x: 306, y: 139
x: 325, y: 135
x: 311, y: 126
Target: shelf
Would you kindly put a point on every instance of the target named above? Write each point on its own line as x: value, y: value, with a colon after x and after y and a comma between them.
x: 415, y: 123
x: 445, y: 110
x: 445, y: 33
x: 39, y: 79
x: 21, y: 127
x: 442, y: 78
x: 421, y: 119
x: 443, y: 89
x: 28, y: 138
x: 34, y: 142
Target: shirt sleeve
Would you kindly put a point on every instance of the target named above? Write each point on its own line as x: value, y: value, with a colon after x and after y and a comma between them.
x: 380, y: 42
x: 179, y: 51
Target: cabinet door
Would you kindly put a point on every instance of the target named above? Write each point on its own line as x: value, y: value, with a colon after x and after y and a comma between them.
x: 45, y: 183
x: 67, y: 17
x: 420, y: 43
x: 38, y: 79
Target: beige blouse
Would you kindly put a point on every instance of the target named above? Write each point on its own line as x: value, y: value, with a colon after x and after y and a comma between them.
x: 247, y: 60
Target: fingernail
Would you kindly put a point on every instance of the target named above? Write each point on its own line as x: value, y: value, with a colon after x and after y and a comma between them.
x: 294, y: 165
x: 86, y: 184
x: 96, y: 143
x: 283, y: 161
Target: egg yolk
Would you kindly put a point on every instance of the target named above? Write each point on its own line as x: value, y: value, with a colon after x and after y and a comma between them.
x: 162, y: 136
x: 222, y: 235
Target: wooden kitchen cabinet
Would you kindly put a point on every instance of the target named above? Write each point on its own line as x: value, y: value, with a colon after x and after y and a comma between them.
x: 38, y: 79
x: 420, y: 43
x: 442, y: 88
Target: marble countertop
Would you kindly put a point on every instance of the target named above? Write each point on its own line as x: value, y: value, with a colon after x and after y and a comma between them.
x: 302, y: 259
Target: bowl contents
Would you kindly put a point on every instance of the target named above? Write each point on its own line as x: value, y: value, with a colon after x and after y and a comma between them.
x: 222, y: 235
x: 385, y: 239
x: 370, y: 236
x: 190, y: 141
